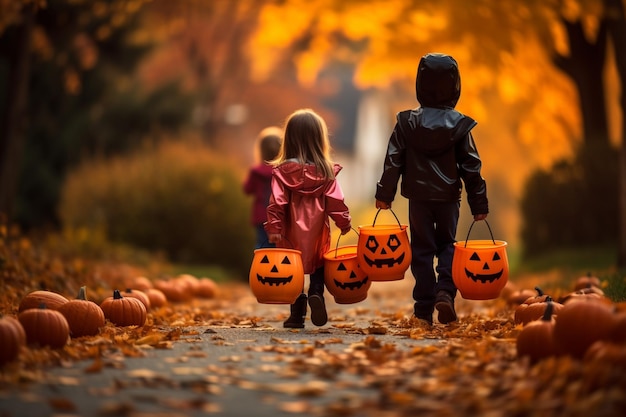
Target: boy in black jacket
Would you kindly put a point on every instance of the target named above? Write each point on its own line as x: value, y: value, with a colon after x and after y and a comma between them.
x: 432, y: 149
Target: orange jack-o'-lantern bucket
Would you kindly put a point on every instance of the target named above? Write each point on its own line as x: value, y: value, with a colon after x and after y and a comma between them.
x: 276, y: 275
x: 480, y: 268
x: 343, y: 277
x: 384, y: 251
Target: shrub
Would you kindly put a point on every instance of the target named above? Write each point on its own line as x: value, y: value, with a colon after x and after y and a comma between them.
x: 178, y: 198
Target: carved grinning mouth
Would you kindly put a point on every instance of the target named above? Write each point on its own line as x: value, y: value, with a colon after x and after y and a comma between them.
x: 351, y: 285
x: 274, y: 281
x: 389, y: 262
x: 484, y: 278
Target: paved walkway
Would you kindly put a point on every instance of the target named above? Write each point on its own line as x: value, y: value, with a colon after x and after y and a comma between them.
x: 247, y: 367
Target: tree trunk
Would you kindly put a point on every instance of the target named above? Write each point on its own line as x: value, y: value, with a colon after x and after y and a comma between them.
x: 616, y: 29
x: 14, y: 120
x: 585, y: 65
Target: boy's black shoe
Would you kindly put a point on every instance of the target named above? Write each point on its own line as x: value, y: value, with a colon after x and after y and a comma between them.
x: 318, y: 310
x: 445, y: 306
x: 298, y: 313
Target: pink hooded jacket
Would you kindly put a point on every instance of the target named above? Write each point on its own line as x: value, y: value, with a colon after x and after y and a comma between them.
x: 299, y: 209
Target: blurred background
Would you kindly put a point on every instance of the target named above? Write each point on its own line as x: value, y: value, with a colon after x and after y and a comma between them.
x: 134, y: 121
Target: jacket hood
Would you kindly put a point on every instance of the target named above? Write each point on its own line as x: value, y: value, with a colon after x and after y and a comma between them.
x: 301, y: 178
x: 263, y: 170
x: 438, y: 82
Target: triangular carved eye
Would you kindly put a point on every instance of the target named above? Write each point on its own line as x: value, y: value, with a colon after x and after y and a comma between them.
x: 286, y: 261
x: 474, y: 257
x: 265, y: 260
x: 496, y: 257
x: 341, y: 267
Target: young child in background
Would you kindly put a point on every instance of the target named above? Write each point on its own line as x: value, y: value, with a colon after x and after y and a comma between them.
x: 432, y: 149
x: 259, y: 178
x: 305, y: 194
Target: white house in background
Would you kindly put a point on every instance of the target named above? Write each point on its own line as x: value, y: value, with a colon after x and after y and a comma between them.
x: 362, y: 168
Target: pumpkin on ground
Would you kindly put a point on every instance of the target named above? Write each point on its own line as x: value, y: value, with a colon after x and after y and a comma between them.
x: 587, y: 281
x: 140, y: 283
x: 206, y: 288
x: 517, y: 297
x: 140, y: 295
x: 584, y: 293
x: 84, y: 317
x: 51, y: 299
x: 124, y: 311
x: 582, y: 323
x: 536, y: 340
x: 173, y: 290
x: 12, y: 338
x: 619, y: 331
x: 603, y: 351
x: 157, y: 298
x: 44, y: 327
x: 534, y: 310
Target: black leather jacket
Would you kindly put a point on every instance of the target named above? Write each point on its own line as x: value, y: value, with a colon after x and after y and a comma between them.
x: 432, y: 147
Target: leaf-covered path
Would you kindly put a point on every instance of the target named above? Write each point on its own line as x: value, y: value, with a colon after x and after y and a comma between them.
x: 230, y: 356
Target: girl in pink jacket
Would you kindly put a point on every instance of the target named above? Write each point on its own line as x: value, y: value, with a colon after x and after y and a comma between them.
x: 305, y: 194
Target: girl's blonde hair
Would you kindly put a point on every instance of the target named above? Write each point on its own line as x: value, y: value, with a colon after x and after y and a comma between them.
x: 306, y: 140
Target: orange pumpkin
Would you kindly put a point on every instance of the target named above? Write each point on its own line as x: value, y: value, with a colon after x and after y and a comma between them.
x: 587, y: 281
x: 582, y: 323
x: 206, y: 288
x: 12, y: 339
x: 157, y: 298
x: 44, y: 327
x: 536, y: 340
x: 34, y: 299
x: 124, y: 311
x: 140, y: 295
x: 84, y: 317
x: 276, y: 275
x: 533, y: 310
x: 140, y: 283
x: 174, y: 290
x: 343, y: 277
x: 384, y: 251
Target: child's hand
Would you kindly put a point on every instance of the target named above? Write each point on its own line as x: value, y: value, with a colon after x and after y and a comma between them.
x: 478, y: 217
x: 274, y: 238
x: 382, y: 205
x: 346, y: 230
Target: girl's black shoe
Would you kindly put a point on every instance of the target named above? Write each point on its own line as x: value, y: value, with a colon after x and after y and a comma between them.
x: 319, y: 317
x: 298, y: 313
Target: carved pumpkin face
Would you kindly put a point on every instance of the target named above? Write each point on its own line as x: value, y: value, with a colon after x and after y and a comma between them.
x: 349, y: 278
x: 384, y: 252
x: 484, y: 270
x: 343, y: 277
x: 480, y: 268
x: 276, y: 275
x: 271, y: 275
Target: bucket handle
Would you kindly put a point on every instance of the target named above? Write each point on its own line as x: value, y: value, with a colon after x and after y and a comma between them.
x: 470, y: 229
x: 339, y: 237
x: 392, y: 212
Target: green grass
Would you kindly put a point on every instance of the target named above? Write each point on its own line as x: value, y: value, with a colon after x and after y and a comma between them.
x: 569, y: 264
